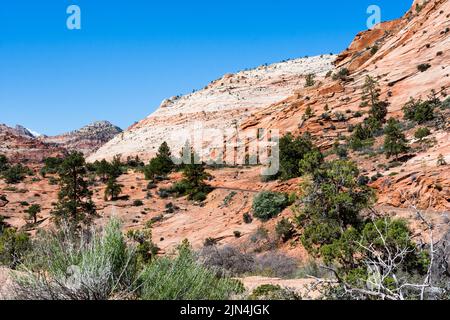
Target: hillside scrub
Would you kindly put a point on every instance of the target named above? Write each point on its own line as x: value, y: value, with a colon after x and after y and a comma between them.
x: 101, y: 264
x: 182, y: 278
x: 370, y: 258
x: 267, y: 204
x: 193, y: 185
x: 292, y: 150
x: 421, y: 111
x: 15, y: 174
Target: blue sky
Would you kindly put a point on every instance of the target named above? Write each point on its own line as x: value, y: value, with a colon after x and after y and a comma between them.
x: 130, y: 55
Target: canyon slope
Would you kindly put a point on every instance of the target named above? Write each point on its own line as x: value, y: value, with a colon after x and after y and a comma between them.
x: 275, y: 97
x: 220, y: 105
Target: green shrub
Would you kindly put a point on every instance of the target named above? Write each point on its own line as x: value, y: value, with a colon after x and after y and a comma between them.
x: 183, y: 278
x: 193, y: 184
x: 361, y: 138
x: 342, y: 74
x: 374, y: 50
x: 310, y: 162
x: 33, y: 211
x: 285, y: 229
x: 423, y: 67
x: 14, y: 245
x: 340, y: 116
x: 395, y: 141
x: 441, y: 160
x: 229, y: 198
x: 51, y: 166
x: 422, y: 133
x: 419, y: 111
x: 446, y: 104
x: 16, y: 174
x: 3, y: 163
x: 310, y: 80
x: 138, y: 203
x: 267, y: 204
x: 293, y: 150
x: 101, y: 266
x: 332, y: 200
x: 273, y: 292
x: 247, y: 218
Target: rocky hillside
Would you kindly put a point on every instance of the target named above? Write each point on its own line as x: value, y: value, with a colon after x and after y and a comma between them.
x: 408, y: 57
x: 19, y: 145
x: 220, y: 105
x: 87, y: 139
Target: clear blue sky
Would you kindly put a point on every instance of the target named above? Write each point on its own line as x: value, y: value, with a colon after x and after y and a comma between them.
x: 130, y: 55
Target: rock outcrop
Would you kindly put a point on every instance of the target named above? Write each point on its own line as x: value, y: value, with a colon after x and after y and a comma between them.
x: 222, y: 104
x: 87, y: 139
x: 19, y: 145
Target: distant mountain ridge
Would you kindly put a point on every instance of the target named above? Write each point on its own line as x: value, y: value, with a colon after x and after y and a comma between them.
x: 87, y: 139
x: 21, y: 144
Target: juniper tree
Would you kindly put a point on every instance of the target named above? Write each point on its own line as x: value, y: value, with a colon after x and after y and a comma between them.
x: 3, y: 163
x: 441, y: 160
x: 395, y: 141
x: 292, y: 150
x: 74, y: 198
x: 310, y: 80
x: 333, y: 200
x: 33, y: 211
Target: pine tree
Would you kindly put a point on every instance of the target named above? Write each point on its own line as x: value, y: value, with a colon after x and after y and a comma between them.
x: 371, y: 98
x: 165, y: 156
x: 74, y: 198
x: 395, y: 141
x: 161, y: 165
x: 195, y: 176
x: 103, y: 169
x: 309, y: 113
x: 113, y: 189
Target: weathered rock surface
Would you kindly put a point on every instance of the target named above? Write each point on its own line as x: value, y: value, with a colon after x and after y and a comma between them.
x: 21, y: 147
x: 87, y: 139
x: 222, y: 104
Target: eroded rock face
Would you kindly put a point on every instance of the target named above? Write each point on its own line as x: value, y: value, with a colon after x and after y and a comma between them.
x: 87, y: 139
x: 222, y: 104
x: 19, y: 146
x: 420, y: 37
